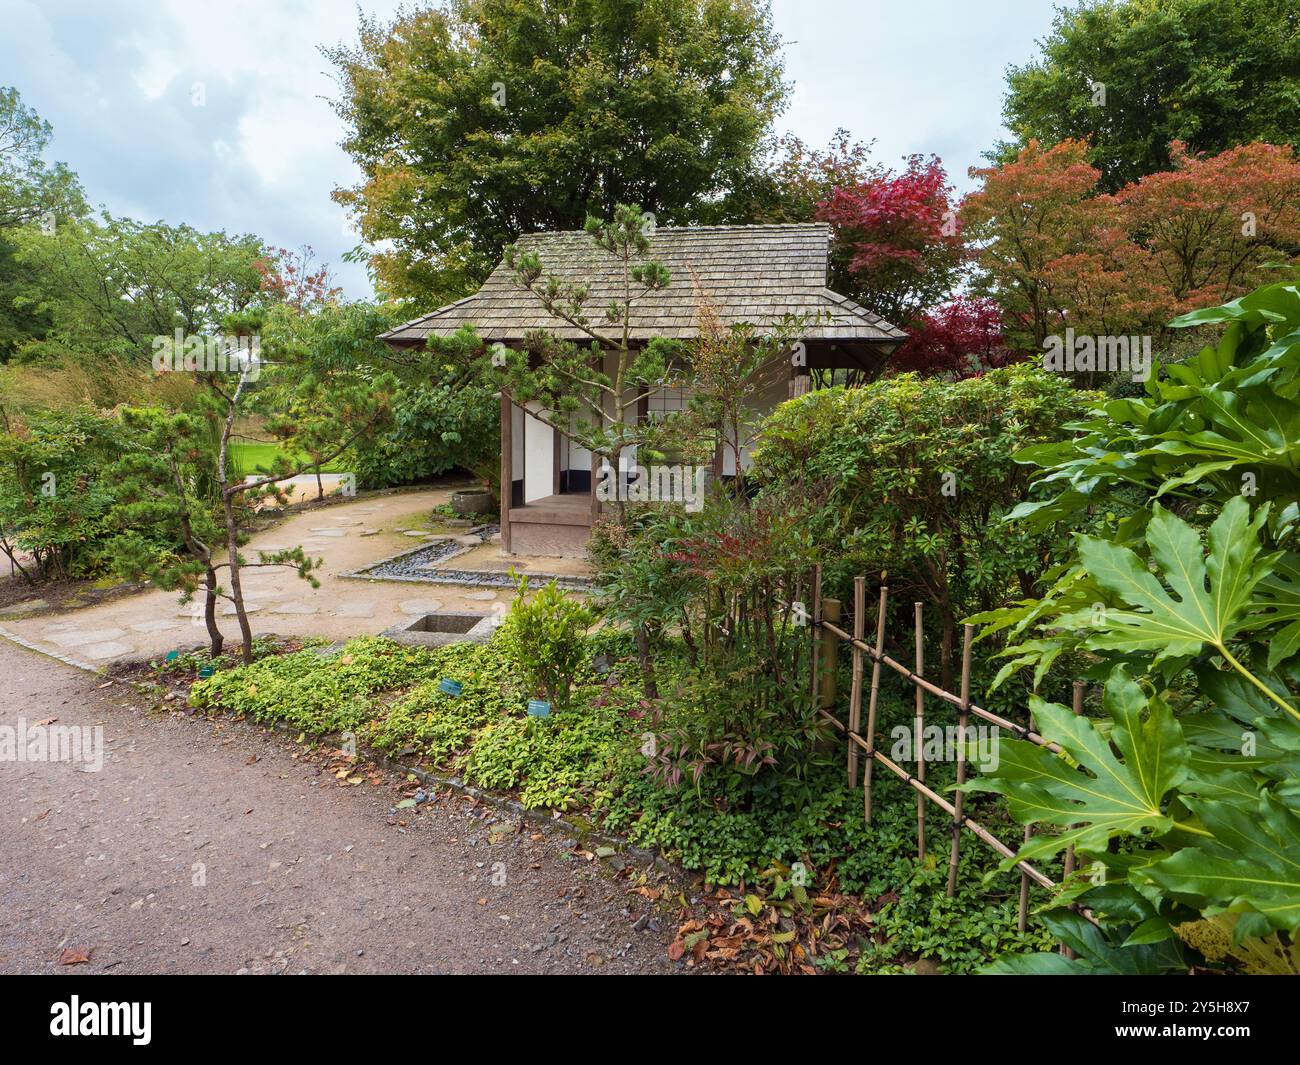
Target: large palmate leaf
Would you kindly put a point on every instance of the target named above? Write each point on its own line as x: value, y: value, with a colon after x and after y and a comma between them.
x: 1164, y: 625
x: 1104, y: 796
x: 1251, y: 866
x: 1096, y: 954
x: 1279, y: 604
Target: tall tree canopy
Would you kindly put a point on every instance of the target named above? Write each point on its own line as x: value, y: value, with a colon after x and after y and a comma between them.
x: 33, y: 193
x: 1212, y: 74
x: 479, y: 120
x: 110, y: 285
x: 30, y: 187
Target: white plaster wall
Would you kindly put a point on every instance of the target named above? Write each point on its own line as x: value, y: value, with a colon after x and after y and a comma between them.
x: 539, y: 457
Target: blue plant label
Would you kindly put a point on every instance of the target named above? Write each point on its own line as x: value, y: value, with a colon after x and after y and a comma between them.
x: 449, y: 686
x: 539, y: 708
x: 205, y: 673
x: 172, y: 656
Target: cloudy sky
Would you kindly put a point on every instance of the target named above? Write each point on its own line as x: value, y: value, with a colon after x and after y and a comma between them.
x: 120, y: 81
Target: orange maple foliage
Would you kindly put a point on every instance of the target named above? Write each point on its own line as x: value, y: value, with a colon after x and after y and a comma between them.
x: 1057, y: 252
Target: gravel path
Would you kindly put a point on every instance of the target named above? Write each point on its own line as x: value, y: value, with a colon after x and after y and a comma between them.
x: 206, y: 846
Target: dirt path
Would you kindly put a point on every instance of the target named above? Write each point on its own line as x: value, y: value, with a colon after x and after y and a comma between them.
x: 207, y: 847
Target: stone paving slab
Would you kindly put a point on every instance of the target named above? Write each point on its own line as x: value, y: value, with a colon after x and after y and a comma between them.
x: 151, y: 623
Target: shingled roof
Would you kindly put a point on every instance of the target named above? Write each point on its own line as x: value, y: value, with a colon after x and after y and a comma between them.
x: 752, y: 274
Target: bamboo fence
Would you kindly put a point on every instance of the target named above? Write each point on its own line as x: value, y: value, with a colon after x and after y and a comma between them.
x: 827, y: 635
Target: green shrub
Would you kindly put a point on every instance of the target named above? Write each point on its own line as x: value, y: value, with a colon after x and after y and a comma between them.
x: 55, y: 503
x: 559, y: 761
x: 542, y: 639
x: 436, y: 725
x: 914, y: 474
x: 436, y: 428
x: 317, y: 693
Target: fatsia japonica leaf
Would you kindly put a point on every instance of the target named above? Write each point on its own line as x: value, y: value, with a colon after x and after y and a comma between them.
x: 1197, y: 613
x: 1251, y: 866
x: 1279, y: 600
x: 1099, y: 796
x: 1096, y: 954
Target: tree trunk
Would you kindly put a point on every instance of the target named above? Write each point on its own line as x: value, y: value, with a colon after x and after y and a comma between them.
x: 216, y: 639
x: 643, y: 656
x: 236, y: 592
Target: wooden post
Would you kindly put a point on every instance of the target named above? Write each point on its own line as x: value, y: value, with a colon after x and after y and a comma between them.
x: 507, y: 472
x: 557, y: 441
x: 816, y: 635
x: 963, y: 717
x: 1069, y: 851
x: 918, y: 737
x: 855, y: 695
x: 869, y: 768
x: 827, y: 657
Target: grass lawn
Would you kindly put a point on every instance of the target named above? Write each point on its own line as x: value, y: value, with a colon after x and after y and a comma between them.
x: 253, y: 455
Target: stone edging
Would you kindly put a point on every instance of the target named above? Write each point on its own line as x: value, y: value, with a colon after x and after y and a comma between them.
x: 67, y: 660
x: 572, y: 583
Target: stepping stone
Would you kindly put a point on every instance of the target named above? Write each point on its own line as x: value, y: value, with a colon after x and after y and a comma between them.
x: 329, y: 532
x: 371, y: 532
x: 480, y: 597
x: 23, y: 608
x: 270, y: 549
x: 420, y: 606
x: 347, y: 521
x: 294, y: 608
x: 355, y: 610
x: 417, y: 532
x: 97, y: 652
x: 158, y: 625
x: 228, y: 610
x: 468, y: 541
x: 74, y: 637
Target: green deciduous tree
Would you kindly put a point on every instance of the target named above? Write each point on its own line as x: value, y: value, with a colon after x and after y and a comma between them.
x: 109, y: 286
x: 480, y: 120
x: 1132, y: 76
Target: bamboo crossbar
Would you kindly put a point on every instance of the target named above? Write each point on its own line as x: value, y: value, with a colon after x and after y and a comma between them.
x: 975, y: 827
x: 948, y: 697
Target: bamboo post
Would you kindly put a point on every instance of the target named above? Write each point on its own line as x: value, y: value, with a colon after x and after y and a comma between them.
x: 827, y: 657
x: 1022, y: 914
x: 918, y: 736
x: 855, y: 695
x: 1069, y: 851
x: 963, y: 718
x: 869, y: 767
x: 815, y: 633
